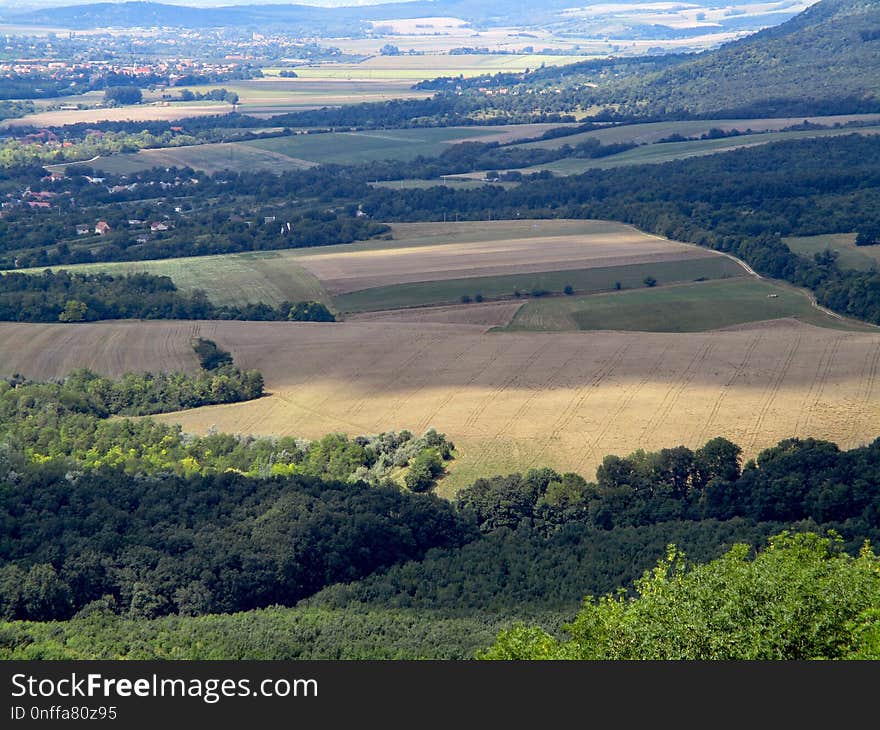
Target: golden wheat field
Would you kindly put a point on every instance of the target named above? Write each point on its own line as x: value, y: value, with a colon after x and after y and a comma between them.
x: 509, y: 400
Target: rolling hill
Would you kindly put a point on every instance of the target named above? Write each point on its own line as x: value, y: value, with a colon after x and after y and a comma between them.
x: 826, y: 57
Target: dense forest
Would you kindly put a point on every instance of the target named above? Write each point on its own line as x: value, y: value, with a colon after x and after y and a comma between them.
x: 800, y: 598
x: 197, y: 525
x: 822, y: 61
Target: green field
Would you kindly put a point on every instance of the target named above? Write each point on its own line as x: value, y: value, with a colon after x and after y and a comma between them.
x: 653, y: 132
x: 669, y: 151
x: 419, y: 294
x: 207, y: 157
x: 277, y: 96
x: 850, y: 256
x: 264, y: 276
x: 682, y: 308
x: 297, y: 151
x: 346, y: 148
x: 424, y: 184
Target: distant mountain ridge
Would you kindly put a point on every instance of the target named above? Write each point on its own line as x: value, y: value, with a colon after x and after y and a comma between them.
x: 830, y: 51
x: 141, y: 14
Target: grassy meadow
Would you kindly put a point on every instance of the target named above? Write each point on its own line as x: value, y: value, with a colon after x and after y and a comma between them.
x: 591, y: 280
x: 669, y: 151
x: 697, y: 307
x: 850, y: 256
x: 239, y: 278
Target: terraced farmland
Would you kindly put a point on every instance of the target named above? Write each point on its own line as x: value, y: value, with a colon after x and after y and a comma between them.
x: 435, y: 263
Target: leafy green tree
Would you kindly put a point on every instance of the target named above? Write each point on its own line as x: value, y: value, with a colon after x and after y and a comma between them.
x: 424, y: 471
x: 868, y: 235
x: 800, y: 598
x: 123, y: 95
x: 44, y: 595
x: 310, y: 312
x: 74, y: 311
x: 717, y: 459
x: 11, y: 580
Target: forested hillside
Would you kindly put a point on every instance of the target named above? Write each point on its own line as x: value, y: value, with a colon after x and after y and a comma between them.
x: 826, y: 57
x: 823, y: 61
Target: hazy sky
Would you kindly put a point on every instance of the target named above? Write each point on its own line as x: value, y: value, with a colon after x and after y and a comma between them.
x: 27, y: 4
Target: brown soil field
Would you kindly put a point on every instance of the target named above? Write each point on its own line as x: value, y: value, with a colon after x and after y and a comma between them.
x: 431, y: 252
x: 48, y: 351
x: 486, y: 314
x: 509, y: 401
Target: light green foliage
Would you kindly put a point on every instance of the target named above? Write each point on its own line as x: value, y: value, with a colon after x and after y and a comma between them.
x: 866, y: 636
x: 800, y: 598
x: 17, y: 152
x: 67, y: 424
x: 272, y: 633
x: 74, y: 311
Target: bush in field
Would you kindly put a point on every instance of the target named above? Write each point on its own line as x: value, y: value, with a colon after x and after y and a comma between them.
x: 210, y: 356
x: 424, y: 470
x: 123, y: 95
x: 310, y: 312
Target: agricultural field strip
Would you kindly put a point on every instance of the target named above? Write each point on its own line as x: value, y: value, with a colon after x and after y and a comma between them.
x: 653, y: 132
x: 651, y: 154
x: 343, y: 272
x: 508, y: 400
x: 209, y: 158
x: 715, y: 302
x: 312, y: 150
x: 419, y: 251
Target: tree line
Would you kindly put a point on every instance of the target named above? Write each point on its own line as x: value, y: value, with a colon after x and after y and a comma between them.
x: 62, y: 296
